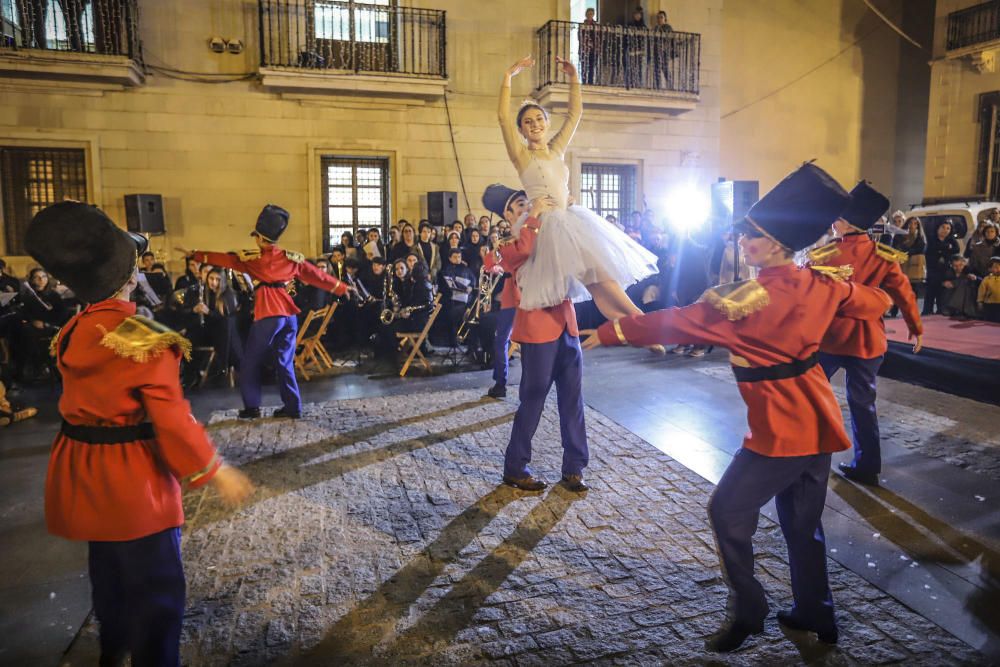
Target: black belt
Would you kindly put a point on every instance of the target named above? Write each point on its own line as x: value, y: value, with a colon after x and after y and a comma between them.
x: 778, y: 371
x: 108, y: 435
x: 277, y: 285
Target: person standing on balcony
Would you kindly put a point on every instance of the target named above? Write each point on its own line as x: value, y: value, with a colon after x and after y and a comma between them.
x: 577, y: 251
x: 636, y: 41
x: 663, y: 53
x: 589, y: 47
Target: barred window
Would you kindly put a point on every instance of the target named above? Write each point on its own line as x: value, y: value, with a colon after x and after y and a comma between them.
x: 33, y: 178
x: 355, y: 196
x: 608, y: 189
x: 353, y: 22
x: 989, y: 145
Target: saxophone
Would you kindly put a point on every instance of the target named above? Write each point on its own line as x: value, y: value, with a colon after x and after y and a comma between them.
x: 390, y: 302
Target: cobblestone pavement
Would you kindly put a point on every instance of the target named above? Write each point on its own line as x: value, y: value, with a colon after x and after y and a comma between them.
x: 934, y: 424
x: 379, y: 536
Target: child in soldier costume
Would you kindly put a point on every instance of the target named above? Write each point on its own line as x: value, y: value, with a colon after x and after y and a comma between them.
x: 275, y: 326
x: 859, y: 346
x: 128, y: 441
x: 772, y: 327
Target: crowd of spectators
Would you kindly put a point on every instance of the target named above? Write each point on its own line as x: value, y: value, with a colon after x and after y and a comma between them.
x: 634, y: 54
x: 398, y: 279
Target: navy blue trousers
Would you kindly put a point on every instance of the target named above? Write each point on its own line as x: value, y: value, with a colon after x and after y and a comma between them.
x: 138, y: 594
x: 501, y: 344
x: 558, y: 362
x: 861, y: 401
x: 271, y: 337
x: 798, y: 486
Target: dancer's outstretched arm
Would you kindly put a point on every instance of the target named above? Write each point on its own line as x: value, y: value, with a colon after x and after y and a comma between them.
x: 515, y: 149
x: 561, y: 141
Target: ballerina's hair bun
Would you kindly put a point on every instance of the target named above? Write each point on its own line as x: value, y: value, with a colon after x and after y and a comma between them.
x: 530, y: 104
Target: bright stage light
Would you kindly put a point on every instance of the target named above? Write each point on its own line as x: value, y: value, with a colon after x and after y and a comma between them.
x: 686, y: 208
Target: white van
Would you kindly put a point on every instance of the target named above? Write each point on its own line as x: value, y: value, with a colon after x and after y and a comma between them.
x: 963, y: 214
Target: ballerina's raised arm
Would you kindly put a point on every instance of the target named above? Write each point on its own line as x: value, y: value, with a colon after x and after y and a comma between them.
x: 532, y: 120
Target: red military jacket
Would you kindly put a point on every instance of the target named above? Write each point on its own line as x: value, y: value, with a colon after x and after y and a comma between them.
x: 875, y: 266
x: 542, y: 325
x: 121, y: 370
x: 776, y: 319
x: 274, y: 265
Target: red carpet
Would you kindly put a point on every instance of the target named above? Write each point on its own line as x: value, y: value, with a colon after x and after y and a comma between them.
x: 974, y: 338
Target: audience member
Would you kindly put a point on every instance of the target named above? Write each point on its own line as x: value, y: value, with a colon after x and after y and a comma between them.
x: 958, y: 293
x: 988, y: 298
x: 941, y: 247
x: 190, y: 276
x: 472, y: 253
x: 407, y: 244
x: 590, y: 50
x: 983, y: 249
x: 456, y: 284
x: 429, y: 251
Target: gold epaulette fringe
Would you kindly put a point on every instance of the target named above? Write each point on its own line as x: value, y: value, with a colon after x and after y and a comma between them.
x: 296, y: 257
x: 54, y: 344
x: 821, y: 254
x: 247, y: 255
x: 141, y: 339
x: 737, y: 300
x: 890, y: 254
x: 840, y: 273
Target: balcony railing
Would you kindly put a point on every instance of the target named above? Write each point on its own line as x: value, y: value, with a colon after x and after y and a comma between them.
x: 102, y: 27
x: 319, y: 35
x: 620, y: 57
x: 974, y: 25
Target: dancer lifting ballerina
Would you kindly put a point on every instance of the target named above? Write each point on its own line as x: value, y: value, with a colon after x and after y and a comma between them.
x: 577, y: 251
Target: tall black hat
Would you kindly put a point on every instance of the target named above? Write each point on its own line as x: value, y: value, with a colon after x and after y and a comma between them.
x: 497, y: 197
x: 800, y: 209
x: 271, y: 223
x: 78, y: 244
x: 866, y: 207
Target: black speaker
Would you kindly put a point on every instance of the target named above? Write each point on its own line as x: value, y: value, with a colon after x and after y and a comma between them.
x: 442, y: 207
x: 731, y: 200
x: 144, y: 214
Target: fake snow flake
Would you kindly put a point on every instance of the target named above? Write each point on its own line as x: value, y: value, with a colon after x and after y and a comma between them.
x: 871, y: 564
x: 876, y: 535
x: 833, y: 551
x: 927, y: 586
x: 903, y: 557
x: 979, y: 498
x: 52, y: 596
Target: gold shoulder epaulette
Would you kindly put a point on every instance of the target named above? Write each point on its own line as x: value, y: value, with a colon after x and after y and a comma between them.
x: 840, y: 273
x: 296, y: 257
x: 737, y: 300
x: 140, y: 339
x: 54, y: 344
x: 247, y: 255
x: 890, y: 254
x: 823, y: 253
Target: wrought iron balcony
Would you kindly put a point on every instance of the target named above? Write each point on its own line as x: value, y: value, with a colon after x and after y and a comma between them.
x: 974, y: 25
x: 90, y: 44
x: 323, y: 36
x: 103, y: 27
x: 639, y: 59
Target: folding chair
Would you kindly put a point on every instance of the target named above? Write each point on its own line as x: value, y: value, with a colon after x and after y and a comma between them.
x: 309, y: 350
x: 415, y: 340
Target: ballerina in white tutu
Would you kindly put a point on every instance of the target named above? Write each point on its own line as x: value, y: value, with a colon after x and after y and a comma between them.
x: 578, y: 254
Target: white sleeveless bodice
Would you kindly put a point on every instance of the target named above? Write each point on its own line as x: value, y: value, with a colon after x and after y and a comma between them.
x: 546, y: 176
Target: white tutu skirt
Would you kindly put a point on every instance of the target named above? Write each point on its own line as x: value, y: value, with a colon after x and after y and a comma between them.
x: 577, y: 247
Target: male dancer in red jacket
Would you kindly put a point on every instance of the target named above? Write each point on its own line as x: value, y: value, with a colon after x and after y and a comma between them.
x: 859, y: 346
x: 772, y: 327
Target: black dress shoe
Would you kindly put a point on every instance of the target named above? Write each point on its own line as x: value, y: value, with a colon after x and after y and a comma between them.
x: 852, y: 473
x: 497, y: 391
x: 732, y: 637
x: 528, y: 483
x: 282, y: 413
x: 248, y: 413
x: 574, y: 483
x: 827, y: 636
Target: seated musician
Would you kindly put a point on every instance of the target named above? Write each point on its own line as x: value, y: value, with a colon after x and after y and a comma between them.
x: 416, y: 300
x: 456, y: 282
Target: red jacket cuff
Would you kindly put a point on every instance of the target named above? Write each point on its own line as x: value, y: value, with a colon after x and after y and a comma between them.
x: 607, y: 335
x: 205, y: 475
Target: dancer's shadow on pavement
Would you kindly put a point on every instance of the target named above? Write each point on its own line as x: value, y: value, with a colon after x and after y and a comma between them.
x: 289, y: 470
x: 929, y: 539
x: 354, y: 638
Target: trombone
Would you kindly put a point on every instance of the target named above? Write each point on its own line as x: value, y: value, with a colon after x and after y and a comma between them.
x: 487, y: 285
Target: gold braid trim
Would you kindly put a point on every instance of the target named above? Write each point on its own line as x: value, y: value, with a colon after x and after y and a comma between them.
x: 840, y: 273
x: 737, y: 300
x: 890, y: 254
x: 247, y: 255
x: 296, y: 257
x: 194, y: 477
x: 140, y: 339
x: 54, y: 344
x: 620, y: 333
x: 821, y: 254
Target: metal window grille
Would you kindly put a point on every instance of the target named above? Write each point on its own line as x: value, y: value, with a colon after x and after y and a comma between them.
x: 608, y: 189
x: 355, y: 196
x: 33, y: 178
x: 989, y: 145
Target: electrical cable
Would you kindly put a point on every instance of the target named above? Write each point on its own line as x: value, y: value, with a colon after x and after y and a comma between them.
x: 891, y: 24
x: 454, y: 148
x: 802, y: 76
